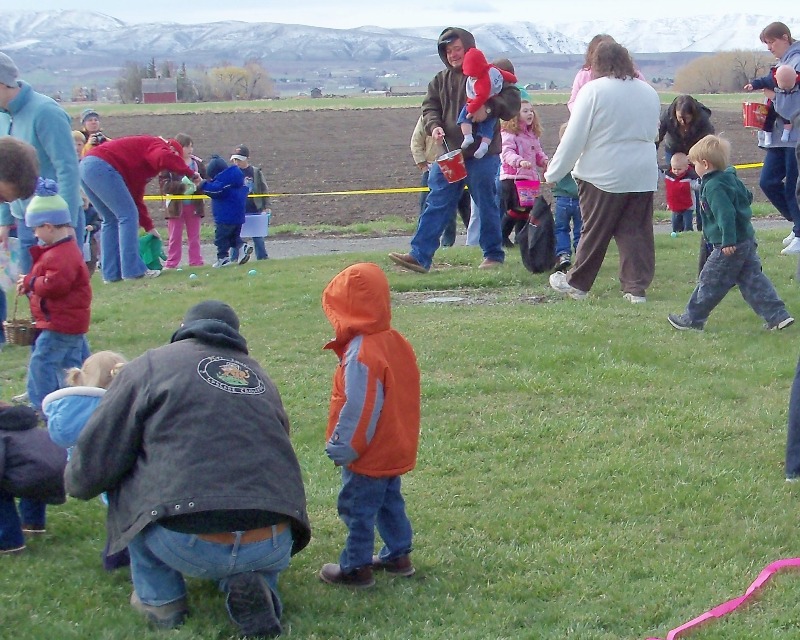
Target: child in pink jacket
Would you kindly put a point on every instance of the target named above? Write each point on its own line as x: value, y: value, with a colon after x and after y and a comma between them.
x: 521, y: 158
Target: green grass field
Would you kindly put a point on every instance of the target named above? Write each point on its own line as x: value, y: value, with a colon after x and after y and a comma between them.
x: 718, y: 101
x: 585, y: 471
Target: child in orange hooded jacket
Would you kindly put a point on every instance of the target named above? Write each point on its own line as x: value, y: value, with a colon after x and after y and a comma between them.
x: 373, y: 425
x: 484, y: 80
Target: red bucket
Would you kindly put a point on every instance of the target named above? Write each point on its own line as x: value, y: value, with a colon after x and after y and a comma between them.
x: 452, y: 165
x: 527, y: 190
x: 754, y: 114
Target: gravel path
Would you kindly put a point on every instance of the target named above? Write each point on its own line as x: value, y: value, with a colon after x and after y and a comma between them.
x: 311, y: 246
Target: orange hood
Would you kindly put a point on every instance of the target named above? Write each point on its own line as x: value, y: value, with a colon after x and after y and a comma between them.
x: 357, y: 302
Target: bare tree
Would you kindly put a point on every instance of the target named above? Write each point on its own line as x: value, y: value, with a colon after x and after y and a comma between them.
x: 229, y: 82
x: 129, y: 83
x: 748, y: 65
x: 721, y: 72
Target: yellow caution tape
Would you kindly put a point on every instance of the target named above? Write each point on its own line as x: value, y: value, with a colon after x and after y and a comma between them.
x: 359, y: 192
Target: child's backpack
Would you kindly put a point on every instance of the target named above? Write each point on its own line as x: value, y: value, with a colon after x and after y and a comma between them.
x: 537, y: 239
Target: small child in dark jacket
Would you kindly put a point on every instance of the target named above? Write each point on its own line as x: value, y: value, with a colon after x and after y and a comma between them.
x: 373, y: 425
x: 31, y: 469
x: 225, y: 186
x: 725, y: 207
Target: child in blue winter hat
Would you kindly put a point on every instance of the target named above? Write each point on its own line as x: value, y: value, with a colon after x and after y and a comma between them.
x: 59, y: 293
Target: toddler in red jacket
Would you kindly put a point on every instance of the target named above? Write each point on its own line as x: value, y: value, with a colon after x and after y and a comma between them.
x: 59, y: 293
x: 373, y: 425
x: 484, y: 80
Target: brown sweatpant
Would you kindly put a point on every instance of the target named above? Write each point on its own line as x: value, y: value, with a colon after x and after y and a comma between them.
x: 628, y: 219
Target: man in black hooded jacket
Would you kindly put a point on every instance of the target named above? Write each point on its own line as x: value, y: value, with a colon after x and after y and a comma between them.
x: 191, y: 442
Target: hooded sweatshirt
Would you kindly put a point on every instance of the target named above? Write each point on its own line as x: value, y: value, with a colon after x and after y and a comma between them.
x: 374, y: 417
x: 447, y: 94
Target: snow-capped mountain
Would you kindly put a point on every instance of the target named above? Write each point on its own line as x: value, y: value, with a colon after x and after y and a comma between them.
x: 63, y: 34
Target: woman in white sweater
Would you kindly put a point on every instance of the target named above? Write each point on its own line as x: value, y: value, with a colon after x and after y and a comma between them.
x: 609, y: 146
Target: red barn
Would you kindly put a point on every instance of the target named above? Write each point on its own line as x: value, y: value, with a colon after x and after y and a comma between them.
x: 159, y: 90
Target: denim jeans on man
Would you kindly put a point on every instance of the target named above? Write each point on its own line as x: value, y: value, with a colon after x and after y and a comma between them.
x: 442, y: 201
x: 778, y: 181
x: 365, y: 503
x: 161, y: 557
x: 31, y: 512
x: 722, y: 272
x: 52, y: 354
x: 568, y: 212
x: 119, y: 233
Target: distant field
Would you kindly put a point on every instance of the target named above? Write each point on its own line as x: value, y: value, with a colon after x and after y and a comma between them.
x: 719, y: 101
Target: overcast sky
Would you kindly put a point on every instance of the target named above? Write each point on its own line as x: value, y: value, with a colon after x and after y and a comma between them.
x: 345, y: 14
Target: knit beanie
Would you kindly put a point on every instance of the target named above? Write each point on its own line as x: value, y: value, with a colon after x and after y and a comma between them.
x: 87, y: 113
x: 215, y: 166
x: 46, y: 206
x: 212, y: 310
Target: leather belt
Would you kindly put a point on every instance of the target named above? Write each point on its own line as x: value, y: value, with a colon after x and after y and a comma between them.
x: 248, y: 537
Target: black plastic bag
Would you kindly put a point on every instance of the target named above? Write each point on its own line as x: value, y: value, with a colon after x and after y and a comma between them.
x: 537, y: 239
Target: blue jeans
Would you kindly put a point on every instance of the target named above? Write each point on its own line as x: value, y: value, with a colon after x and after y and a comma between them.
x: 682, y: 220
x: 442, y: 201
x: 53, y: 353
x: 119, y: 233
x: 720, y: 273
x: 161, y: 557
x: 568, y: 211
x: 484, y: 129
x: 793, y: 431
x: 365, y: 503
x: 30, y: 512
x: 778, y: 181
x: 226, y: 237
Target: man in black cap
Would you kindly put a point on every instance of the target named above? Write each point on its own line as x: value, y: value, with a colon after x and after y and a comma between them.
x: 258, y: 204
x: 191, y: 442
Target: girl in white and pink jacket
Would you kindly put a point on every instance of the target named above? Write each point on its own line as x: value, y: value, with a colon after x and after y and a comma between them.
x: 521, y: 158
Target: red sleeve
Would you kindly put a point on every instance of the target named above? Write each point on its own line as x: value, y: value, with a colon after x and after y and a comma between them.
x: 482, y: 90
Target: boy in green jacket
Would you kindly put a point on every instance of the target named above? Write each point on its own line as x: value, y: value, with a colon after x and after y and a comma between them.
x: 725, y: 208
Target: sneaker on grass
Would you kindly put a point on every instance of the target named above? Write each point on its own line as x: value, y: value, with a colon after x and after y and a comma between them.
x: 682, y: 323
x: 780, y: 324
x: 558, y: 281
x: 221, y: 262
x: 247, y: 251
x: 634, y: 299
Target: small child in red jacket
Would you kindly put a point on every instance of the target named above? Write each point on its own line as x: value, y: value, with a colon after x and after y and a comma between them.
x: 373, y: 425
x: 484, y: 80
x: 59, y: 292
x: 679, y: 181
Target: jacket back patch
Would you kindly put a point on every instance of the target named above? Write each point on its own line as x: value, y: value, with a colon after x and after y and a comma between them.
x: 230, y: 375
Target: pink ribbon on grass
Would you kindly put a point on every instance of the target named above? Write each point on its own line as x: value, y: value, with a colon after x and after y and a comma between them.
x: 731, y: 605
